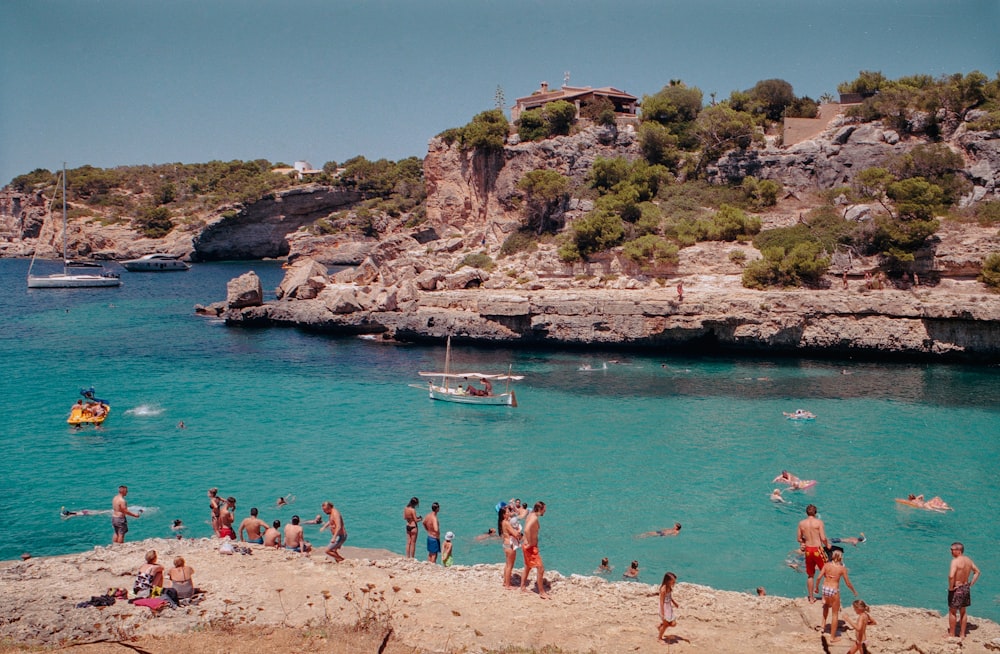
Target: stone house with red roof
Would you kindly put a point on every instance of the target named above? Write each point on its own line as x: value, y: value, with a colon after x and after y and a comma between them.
x: 626, y: 105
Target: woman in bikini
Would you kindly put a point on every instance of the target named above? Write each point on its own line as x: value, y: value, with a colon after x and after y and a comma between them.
x: 180, y: 577
x: 830, y: 577
x: 412, y: 520
x: 511, y: 538
x: 215, y: 506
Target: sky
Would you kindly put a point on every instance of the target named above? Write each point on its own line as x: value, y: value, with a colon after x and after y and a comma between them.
x: 125, y: 82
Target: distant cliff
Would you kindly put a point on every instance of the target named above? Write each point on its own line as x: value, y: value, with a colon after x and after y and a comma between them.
x: 414, y: 285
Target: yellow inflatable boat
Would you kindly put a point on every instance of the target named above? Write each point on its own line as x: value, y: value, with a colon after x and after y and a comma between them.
x: 88, y: 414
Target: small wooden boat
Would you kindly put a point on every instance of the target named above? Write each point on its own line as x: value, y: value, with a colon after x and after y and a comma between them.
x: 449, y: 385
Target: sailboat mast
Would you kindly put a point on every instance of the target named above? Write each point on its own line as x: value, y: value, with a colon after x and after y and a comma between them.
x: 447, y: 362
x: 64, y: 216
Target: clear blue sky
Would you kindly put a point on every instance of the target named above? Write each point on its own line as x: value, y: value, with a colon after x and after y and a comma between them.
x: 121, y: 82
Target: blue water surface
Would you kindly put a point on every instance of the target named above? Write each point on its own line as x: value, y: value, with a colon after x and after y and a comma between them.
x: 615, y: 452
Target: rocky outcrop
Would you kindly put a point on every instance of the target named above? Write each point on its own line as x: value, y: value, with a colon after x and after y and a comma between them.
x: 474, y: 195
x: 244, y: 291
x: 410, y: 288
x: 261, y: 230
x: 857, y: 322
x: 833, y: 158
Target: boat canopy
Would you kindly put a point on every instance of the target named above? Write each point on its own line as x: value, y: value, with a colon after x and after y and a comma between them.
x: 471, y: 375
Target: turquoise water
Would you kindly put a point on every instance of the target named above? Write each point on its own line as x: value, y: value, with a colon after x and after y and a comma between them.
x: 645, y: 443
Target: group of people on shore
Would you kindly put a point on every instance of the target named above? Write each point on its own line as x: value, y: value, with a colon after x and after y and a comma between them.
x: 823, y: 557
x: 255, y: 530
x: 518, y: 528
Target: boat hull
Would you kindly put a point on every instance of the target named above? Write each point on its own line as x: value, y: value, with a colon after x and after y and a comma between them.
x: 155, y: 265
x: 450, y: 395
x: 72, y: 281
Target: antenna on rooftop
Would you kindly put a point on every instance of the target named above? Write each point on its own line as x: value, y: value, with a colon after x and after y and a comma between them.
x: 566, y: 78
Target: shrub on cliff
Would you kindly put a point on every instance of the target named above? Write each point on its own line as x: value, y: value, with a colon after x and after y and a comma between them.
x: 760, y: 193
x: 899, y: 102
x: 650, y: 249
x: 39, y: 177
x: 596, y: 232
x: 823, y: 225
x: 546, y: 191
x: 600, y: 110
x: 720, y: 128
x: 675, y: 106
x: 805, y: 263
x: 990, y: 273
x: 520, y: 241
x: 479, y: 260
x: 154, y: 222
x: 552, y: 119
x: 486, y: 131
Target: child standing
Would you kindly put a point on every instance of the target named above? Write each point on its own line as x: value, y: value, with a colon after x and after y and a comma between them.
x: 667, y: 603
x: 446, y: 550
x: 864, y: 619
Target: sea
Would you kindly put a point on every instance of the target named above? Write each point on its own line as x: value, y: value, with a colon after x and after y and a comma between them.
x: 616, y: 444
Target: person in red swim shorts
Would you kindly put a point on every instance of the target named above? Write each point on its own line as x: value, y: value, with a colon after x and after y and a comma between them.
x: 532, y: 557
x: 812, y: 536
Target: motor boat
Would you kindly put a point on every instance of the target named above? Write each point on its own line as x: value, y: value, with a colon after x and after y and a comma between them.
x: 157, y: 262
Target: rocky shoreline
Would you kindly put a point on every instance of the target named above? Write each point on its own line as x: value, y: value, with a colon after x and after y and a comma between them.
x: 956, y: 320
x: 429, y: 607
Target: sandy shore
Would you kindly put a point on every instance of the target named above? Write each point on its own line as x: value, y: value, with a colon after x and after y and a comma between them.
x: 431, y: 608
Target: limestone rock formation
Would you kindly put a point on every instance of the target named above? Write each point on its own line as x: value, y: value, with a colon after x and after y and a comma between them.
x: 261, y: 229
x: 423, y: 288
x: 244, y: 291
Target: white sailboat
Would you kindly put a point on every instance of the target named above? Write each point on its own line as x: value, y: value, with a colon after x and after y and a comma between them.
x: 72, y: 275
x: 444, y: 390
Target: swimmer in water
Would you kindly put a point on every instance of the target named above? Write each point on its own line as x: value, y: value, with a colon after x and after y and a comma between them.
x: 663, y: 532
x: 776, y: 496
x: 850, y: 541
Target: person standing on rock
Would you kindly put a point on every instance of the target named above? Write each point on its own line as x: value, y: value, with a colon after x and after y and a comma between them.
x: 962, y: 575
x: 338, y: 533
x: 412, y: 525
x: 812, y: 536
x: 532, y: 557
x: 119, y: 515
x: 680, y: 291
x: 433, y: 533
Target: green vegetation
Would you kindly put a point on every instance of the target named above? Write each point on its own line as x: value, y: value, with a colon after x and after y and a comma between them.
x: 154, y: 222
x: 487, y: 131
x: 546, y: 192
x: 805, y: 264
x: 552, y: 119
x: 394, y: 188
x: 479, y: 260
x: 990, y: 274
x: 151, y: 196
x: 650, y: 248
x: 600, y: 110
x: 760, y: 193
x: 519, y: 241
x: 900, y: 102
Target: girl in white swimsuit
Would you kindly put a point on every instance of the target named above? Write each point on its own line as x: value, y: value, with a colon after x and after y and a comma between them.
x: 667, y: 603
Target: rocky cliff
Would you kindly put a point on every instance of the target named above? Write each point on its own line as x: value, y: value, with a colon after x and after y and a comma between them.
x: 268, y: 228
x: 414, y: 286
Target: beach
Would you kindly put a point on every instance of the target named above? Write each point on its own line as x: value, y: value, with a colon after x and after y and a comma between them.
x: 430, y: 608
